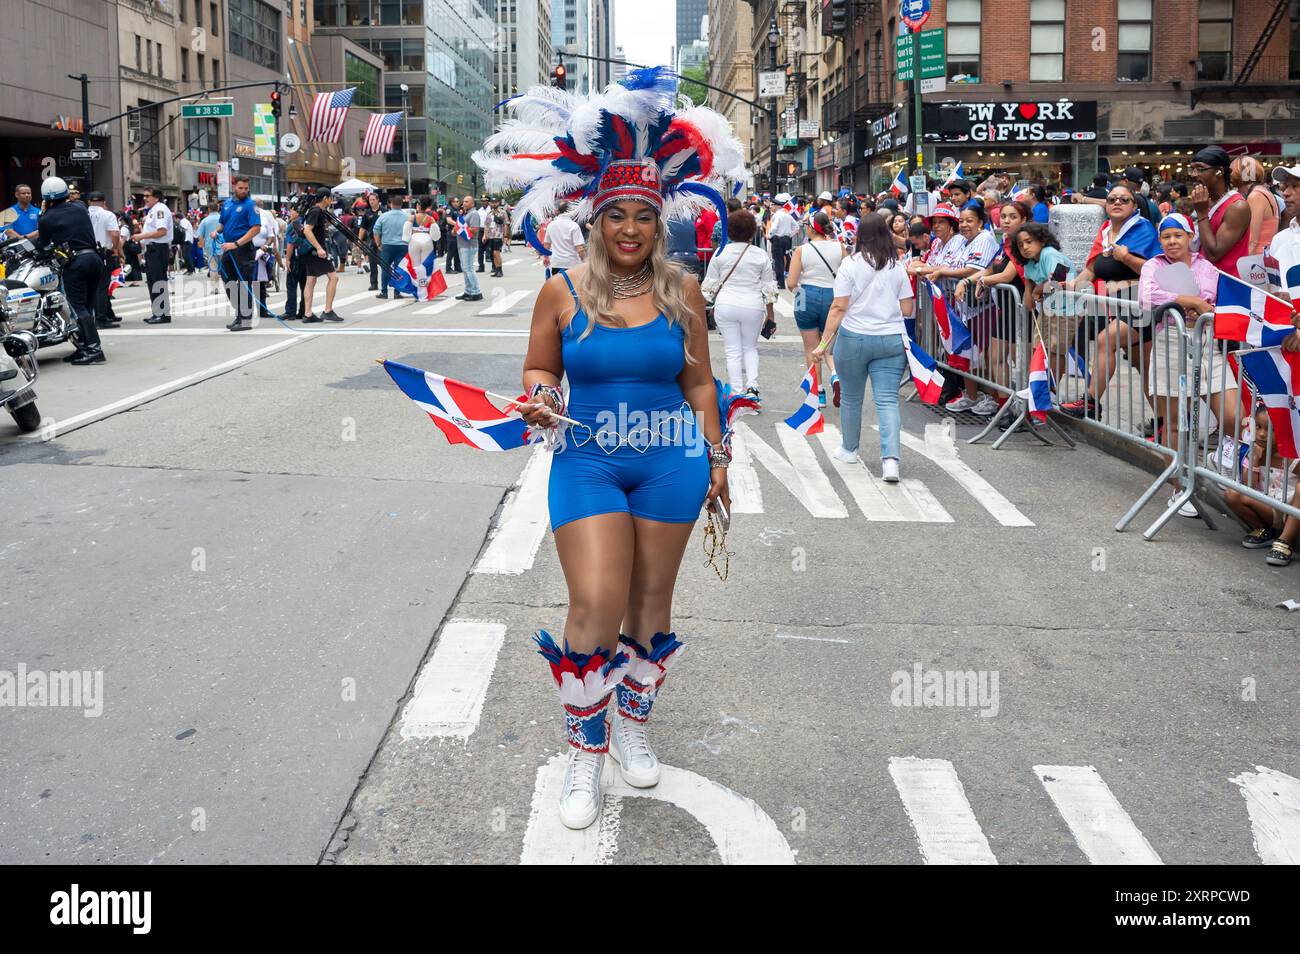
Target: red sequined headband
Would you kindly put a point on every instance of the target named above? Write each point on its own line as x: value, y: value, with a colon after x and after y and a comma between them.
x: 628, y: 179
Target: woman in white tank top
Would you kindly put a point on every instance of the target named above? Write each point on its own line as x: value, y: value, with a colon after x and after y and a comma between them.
x: 811, y: 277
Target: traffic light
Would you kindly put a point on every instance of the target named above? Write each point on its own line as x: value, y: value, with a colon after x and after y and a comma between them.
x: 275, y: 103
x: 839, y: 15
x: 791, y: 168
x: 559, y: 76
x: 460, y: 178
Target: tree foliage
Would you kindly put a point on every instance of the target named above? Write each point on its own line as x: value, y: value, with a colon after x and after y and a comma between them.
x: 691, y: 80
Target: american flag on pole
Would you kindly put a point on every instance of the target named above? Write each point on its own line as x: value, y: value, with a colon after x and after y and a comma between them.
x: 379, y: 133
x: 328, y: 112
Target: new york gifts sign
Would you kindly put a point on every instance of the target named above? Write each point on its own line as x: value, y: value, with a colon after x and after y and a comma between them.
x: 1062, y: 120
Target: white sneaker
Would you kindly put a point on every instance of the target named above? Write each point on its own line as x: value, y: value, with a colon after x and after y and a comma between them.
x: 1186, y: 510
x: 849, y: 457
x: 986, y: 406
x: 631, y: 750
x: 580, y: 797
x: 960, y: 403
x: 889, y: 469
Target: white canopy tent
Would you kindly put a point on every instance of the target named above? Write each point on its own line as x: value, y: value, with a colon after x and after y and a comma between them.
x: 353, y: 187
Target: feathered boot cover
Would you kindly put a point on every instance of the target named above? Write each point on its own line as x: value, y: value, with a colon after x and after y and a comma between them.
x: 645, y: 673
x: 586, y: 683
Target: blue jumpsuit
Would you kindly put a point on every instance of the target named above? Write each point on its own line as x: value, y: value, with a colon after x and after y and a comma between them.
x: 636, y: 449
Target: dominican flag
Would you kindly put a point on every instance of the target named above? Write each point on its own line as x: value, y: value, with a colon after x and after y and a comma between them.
x: 328, y: 113
x: 1243, y: 312
x: 461, y: 411
x: 1039, y: 393
x: 1076, y: 365
x: 925, y: 374
x: 952, y: 330
x: 1274, y: 375
x: 380, y: 131
x: 405, y: 279
x: 957, y: 173
x: 808, y: 419
x: 464, y: 230
x: 899, y: 186
x: 115, y: 281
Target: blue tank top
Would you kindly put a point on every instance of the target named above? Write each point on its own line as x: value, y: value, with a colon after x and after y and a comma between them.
x: 637, y: 367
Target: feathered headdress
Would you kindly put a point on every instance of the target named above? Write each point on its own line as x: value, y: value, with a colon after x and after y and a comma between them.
x: 629, y: 141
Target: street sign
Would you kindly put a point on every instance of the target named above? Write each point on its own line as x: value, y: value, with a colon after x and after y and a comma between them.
x: 939, y: 85
x: 903, y: 57
x: 207, y: 110
x: 83, y: 155
x: 234, y: 163
x: 934, y: 64
x: 223, y: 180
x: 915, y: 12
x: 289, y: 142
x: 263, y: 131
x: 788, y: 142
x: 771, y: 85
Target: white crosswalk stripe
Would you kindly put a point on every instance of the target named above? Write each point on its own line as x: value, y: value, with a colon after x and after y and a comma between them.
x: 448, y: 697
x: 506, y: 302
x: 437, y: 308
x: 936, y: 805
x: 1103, y: 830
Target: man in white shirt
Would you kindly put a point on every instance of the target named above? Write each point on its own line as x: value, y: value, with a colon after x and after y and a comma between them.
x: 564, y: 239
x: 108, y: 239
x: 185, y: 228
x: 780, y: 235
x: 267, y: 238
x: 155, y: 236
x: 1285, y: 246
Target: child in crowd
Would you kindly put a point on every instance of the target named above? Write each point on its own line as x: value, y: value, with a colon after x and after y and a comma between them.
x: 1261, y: 518
x: 1038, y: 251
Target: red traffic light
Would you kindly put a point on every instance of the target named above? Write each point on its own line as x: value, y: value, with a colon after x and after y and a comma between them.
x: 275, y: 102
x: 558, y: 75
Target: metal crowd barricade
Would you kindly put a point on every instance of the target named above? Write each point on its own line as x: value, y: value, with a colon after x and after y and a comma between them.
x: 1215, y: 457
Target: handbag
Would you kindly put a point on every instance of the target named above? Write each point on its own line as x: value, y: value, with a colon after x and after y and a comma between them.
x: 709, y: 320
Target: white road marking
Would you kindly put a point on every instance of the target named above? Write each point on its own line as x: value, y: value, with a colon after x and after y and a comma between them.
x: 801, y: 475
x: 513, y: 544
x: 743, y: 832
x: 916, y: 494
x: 784, y: 308
x: 936, y: 804
x: 814, y: 639
x: 1273, y: 803
x: 939, y: 448
x: 1103, y: 830
x: 877, y: 500
x: 742, y: 479
x: 58, y: 428
x: 449, y: 692
x: 508, y: 261
x: 438, y: 307
x: 506, y: 302
x: 386, y: 306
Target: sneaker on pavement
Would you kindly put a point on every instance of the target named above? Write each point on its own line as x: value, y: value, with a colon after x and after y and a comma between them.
x: 1259, y: 539
x: 330, y: 316
x: 889, y: 469
x: 960, y: 403
x: 986, y: 406
x: 1279, y: 555
x: 1186, y: 510
x: 1084, y: 407
x: 580, y: 796
x: 848, y: 456
x: 631, y: 750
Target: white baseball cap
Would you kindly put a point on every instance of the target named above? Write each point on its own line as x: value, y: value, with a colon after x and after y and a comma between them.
x: 781, y: 197
x: 1281, y: 172
x: 826, y: 196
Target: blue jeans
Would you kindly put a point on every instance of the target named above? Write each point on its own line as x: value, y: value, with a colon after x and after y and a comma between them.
x: 812, y: 303
x: 880, y: 357
x: 468, y: 254
x: 390, y: 255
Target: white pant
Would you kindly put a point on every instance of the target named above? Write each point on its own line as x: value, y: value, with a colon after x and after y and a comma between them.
x: 740, y: 325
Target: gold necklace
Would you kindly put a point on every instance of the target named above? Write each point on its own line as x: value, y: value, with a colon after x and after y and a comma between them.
x: 631, y: 286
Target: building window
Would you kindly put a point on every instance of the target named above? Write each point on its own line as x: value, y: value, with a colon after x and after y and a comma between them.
x: 185, y: 66
x: 1215, y: 48
x: 202, y: 72
x: 202, y: 140
x: 364, y: 77
x: 964, y: 41
x: 255, y: 32
x: 302, y: 12
x: 216, y: 73
x: 1133, y: 64
x: 198, y: 13
x: 212, y: 18
x: 150, y: 148
x: 148, y: 56
x: 1295, y: 40
x: 1047, y: 41
x: 414, y: 98
x: 138, y: 64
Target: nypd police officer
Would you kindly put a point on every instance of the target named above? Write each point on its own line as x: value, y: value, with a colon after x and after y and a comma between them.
x: 67, y: 224
x: 156, y: 237
x: 240, y: 224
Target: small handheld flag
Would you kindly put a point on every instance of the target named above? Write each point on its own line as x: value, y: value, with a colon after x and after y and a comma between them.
x: 115, y: 281
x: 461, y: 411
x: 1243, y: 312
x: 952, y: 330
x: 808, y: 419
x: 1275, y: 376
x: 899, y: 186
x: 1076, y: 365
x: 957, y: 173
x: 925, y: 374
x: 1039, y: 393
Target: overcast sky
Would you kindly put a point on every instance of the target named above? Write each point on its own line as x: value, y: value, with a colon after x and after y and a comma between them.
x: 646, y: 29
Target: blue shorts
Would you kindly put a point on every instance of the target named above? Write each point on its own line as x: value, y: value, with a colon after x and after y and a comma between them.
x: 667, y: 484
x: 812, y: 305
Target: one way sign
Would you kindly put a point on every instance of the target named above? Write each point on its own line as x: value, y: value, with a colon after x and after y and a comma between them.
x: 83, y: 155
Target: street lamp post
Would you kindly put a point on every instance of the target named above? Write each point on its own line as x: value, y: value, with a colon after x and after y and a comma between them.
x: 437, y: 166
x: 406, y: 136
x: 773, y: 34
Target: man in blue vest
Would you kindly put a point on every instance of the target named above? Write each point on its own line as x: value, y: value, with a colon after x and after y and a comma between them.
x: 20, y: 219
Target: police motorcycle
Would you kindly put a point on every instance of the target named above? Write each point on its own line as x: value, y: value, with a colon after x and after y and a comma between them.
x: 33, y: 298
x: 18, y: 372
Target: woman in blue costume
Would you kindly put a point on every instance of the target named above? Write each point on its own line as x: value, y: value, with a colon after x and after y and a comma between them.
x: 646, y: 454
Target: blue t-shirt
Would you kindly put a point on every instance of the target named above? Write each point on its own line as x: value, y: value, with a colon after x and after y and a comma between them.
x: 237, y: 218
x: 1045, y: 269
x: 23, y: 222
x: 208, y: 232
x: 1041, y: 212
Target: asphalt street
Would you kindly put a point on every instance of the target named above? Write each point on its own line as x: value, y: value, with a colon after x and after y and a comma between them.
x: 312, y: 619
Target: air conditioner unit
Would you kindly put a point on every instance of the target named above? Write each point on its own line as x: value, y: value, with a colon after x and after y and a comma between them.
x: 132, y: 135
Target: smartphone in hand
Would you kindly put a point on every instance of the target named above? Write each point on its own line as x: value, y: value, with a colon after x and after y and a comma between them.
x: 721, y: 510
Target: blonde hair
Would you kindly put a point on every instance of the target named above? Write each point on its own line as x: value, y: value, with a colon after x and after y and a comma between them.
x: 596, y: 290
